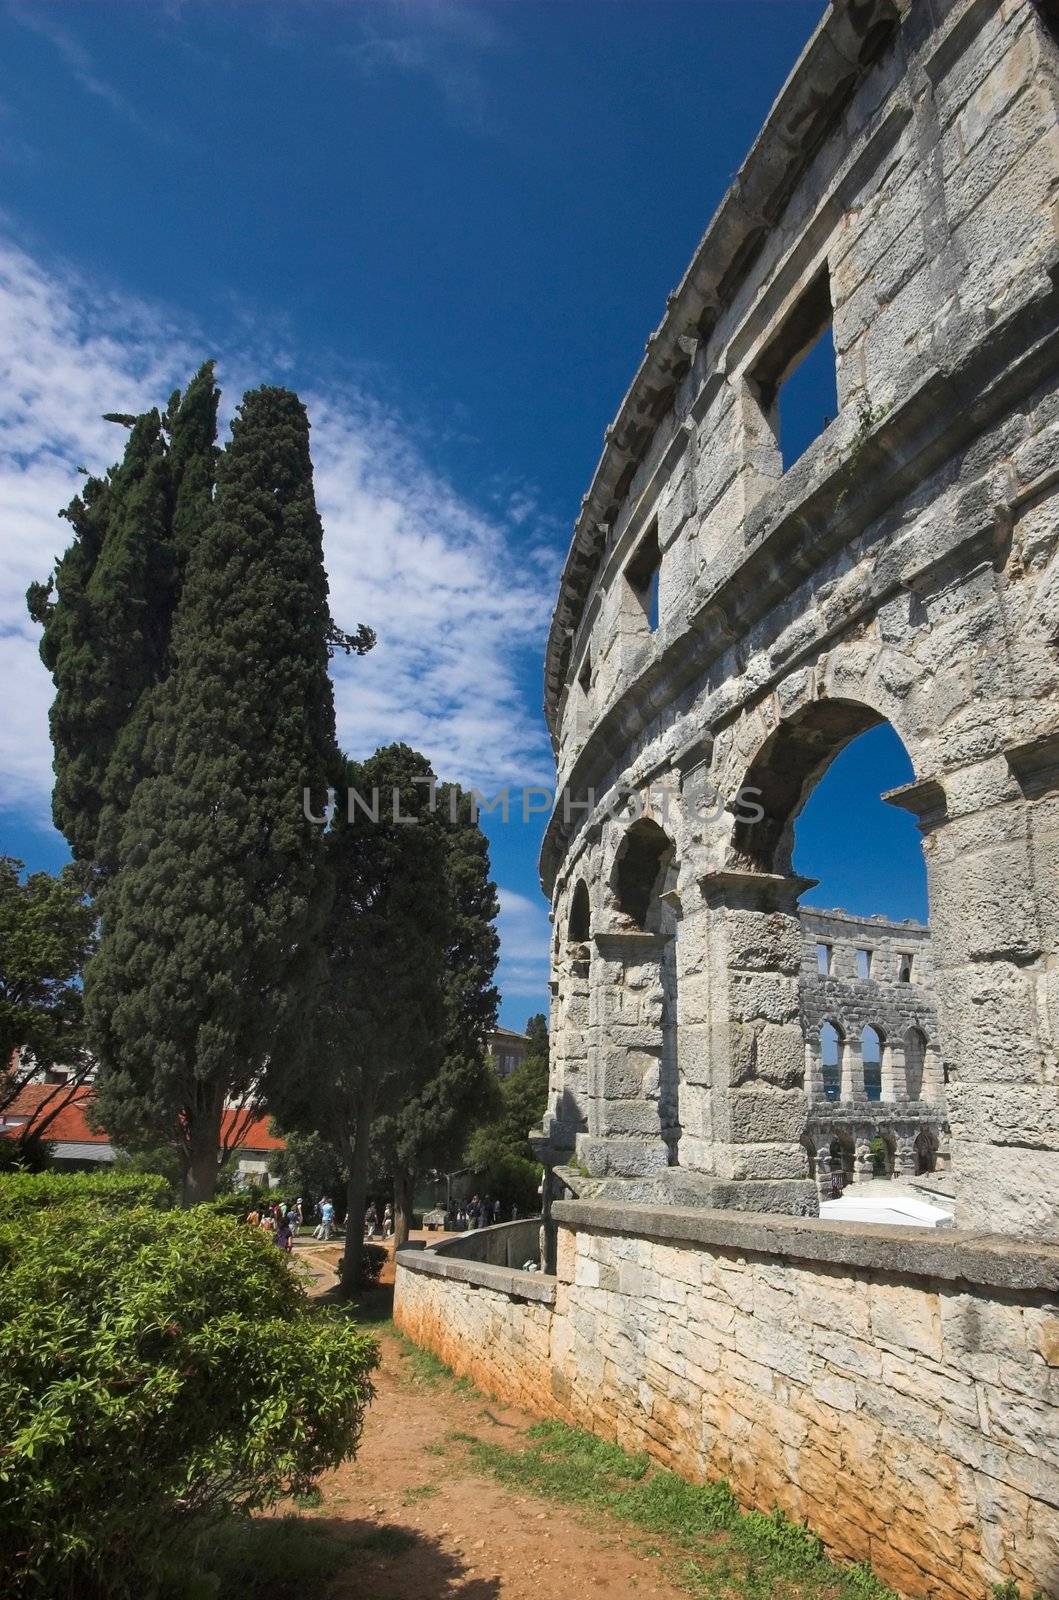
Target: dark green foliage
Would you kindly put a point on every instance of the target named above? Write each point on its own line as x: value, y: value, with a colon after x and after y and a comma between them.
x: 209, y: 929
x: 500, y: 1150
x: 107, y: 631
x: 30, y: 1152
x: 378, y: 1014
x: 428, y: 1128
x: 308, y: 1166
x: 47, y: 930
x: 157, y: 1371
x: 24, y: 1193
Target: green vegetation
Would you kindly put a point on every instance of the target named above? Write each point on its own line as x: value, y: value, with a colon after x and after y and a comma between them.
x: 212, y: 922
x: 427, y: 1128
x: 726, y: 1551
x: 499, y: 1150
x: 159, y: 1371
x: 187, y: 630
x: 22, y: 1194
x: 47, y: 932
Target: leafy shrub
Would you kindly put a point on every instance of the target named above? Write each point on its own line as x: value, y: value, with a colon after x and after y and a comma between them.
x: 239, y: 1201
x: 24, y: 1192
x: 158, y: 1370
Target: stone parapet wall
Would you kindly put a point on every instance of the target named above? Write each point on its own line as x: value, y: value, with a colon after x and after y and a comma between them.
x: 899, y: 1391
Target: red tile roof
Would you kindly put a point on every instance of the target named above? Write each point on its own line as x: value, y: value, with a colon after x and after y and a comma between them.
x: 70, y: 1125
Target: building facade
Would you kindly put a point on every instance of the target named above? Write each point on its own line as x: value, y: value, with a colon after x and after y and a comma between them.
x: 730, y: 618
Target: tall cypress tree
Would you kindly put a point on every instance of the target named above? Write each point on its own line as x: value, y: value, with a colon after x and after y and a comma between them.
x: 106, y: 632
x: 210, y: 926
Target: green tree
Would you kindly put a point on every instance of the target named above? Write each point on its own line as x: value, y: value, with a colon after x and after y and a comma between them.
x: 429, y: 1127
x: 210, y: 926
x: 47, y: 932
x: 158, y: 1371
x: 380, y: 1009
x: 106, y: 632
x: 500, y: 1150
x: 307, y: 1166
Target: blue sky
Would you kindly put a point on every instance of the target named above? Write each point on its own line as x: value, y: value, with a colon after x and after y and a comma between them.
x: 451, y: 227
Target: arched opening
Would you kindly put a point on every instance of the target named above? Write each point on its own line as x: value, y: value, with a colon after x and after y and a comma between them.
x: 871, y: 1053
x: 577, y: 927
x: 926, y: 1151
x: 831, y: 1045
x: 784, y: 774
x: 884, y: 1155
x: 915, y: 1062
x: 842, y: 1160
x: 639, y: 872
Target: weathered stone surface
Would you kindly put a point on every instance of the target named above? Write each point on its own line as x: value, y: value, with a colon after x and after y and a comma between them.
x: 904, y: 569
x: 893, y: 1388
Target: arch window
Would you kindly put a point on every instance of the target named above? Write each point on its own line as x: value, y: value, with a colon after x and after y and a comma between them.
x: 926, y: 1150
x: 915, y: 1061
x: 871, y: 1048
x: 831, y: 1042
x: 577, y: 928
x: 640, y: 867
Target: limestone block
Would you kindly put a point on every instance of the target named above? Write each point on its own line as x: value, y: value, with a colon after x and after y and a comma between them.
x: 906, y: 1317
x: 996, y: 1192
x: 757, y: 941
x: 1014, y: 1113
x: 757, y: 1116
x: 987, y: 1014
x: 750, y: 1162
x: 630, y: 1074
x: 774, y: 999
x: 978, y: 1324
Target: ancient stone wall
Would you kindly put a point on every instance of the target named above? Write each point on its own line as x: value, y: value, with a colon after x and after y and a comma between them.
x: 905, y: 568
x: 898, y: 1391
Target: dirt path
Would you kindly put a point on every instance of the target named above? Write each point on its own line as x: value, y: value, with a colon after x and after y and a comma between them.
x: 452, y: 1534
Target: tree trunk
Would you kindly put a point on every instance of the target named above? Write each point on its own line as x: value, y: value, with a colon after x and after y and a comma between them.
x: 402, y: 1206
x: 204, y: 1142
x: 357, y: 1198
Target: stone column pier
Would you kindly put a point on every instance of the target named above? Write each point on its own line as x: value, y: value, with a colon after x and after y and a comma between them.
x: 991, y: 841
x: 758, y: 1101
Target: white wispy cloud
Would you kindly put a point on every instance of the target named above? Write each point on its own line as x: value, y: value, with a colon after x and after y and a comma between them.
x: 441, y: 42
x: 525, y: 932
x: 77, y: 60
x: 459, y: 615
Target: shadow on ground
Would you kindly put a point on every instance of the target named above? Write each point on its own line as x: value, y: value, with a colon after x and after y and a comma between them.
x: 336, y: 1558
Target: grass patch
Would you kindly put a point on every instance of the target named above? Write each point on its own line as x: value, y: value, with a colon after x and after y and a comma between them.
x: 285, y: 1558
x: 726, y: 1552
x: 420, y: 1491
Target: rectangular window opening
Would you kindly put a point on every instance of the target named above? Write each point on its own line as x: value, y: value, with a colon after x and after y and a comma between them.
x: 584, y: 677
x: 642, y: 573
x: 797, y: 377
x: 823, y: 959
x: 904, y: 973
x: 863, y: 963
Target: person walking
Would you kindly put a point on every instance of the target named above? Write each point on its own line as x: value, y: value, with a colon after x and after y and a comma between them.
x: 327, y: 1219
x: 387, y: 1221
x: 371, y: 1221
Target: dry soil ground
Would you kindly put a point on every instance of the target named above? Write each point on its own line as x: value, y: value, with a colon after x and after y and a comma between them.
x: 465, y: 1537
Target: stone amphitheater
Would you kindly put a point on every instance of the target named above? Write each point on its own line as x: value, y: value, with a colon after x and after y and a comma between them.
x: 728, y: 620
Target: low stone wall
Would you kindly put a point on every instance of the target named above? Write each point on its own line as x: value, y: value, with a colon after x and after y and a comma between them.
x: 505, y: 1244
x: 899, y: 1391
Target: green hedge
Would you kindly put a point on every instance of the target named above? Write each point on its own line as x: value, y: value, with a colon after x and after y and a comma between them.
x: 24, y: 1192
x: 157, y: 1370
